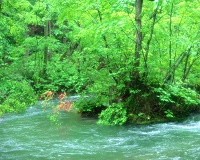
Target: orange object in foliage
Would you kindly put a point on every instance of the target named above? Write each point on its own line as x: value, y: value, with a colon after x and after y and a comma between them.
x: 66, y: 106
x: 49, y: 93
x: 61, y: 96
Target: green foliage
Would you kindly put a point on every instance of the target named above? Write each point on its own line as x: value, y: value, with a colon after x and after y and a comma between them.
x: 115, y: 114
x: 54, y: 117
x: 13, y: 105
x: 15, y: 95
x: 138, y: 118
x: 176, y: 100
x: 184, y: 95
x: 163, y: 95
x: 169, y: 114
x: 89, y: 105
x: 178, y: 95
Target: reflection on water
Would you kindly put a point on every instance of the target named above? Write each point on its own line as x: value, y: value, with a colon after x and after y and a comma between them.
x: 31, y: 135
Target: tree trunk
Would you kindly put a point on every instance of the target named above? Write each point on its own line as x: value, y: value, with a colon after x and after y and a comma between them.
x: 175, y: 65
x: 46, y: 31
x: 153, y: 17
x: 172, y: 70
x: 138, y: 45
x: 188, y: 65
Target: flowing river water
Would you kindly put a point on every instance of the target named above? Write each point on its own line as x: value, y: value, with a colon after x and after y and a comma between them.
x: 31, y: 136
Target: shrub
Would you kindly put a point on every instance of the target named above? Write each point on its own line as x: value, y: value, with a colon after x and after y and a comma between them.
x: 115, y: 114
x: 177, y: 99
x: 15, y: 95
x: 89, y: 105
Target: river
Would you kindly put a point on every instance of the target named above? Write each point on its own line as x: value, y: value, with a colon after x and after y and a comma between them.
x: 31, y: 136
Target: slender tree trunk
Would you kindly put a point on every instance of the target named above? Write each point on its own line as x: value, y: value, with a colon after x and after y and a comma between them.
x: 46, y: 31
x: 175, y: 65
x: 185, y: 66
x: 153, y: 17
x: 188, y: 70
x: 138, y: 45
x: 188, y: 65
x: 50, y: 54
x: 172, y: 70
